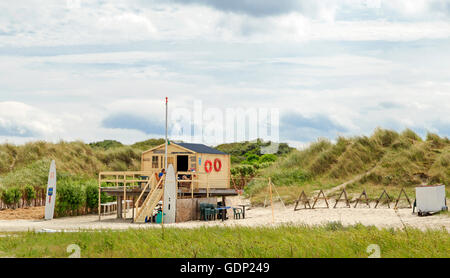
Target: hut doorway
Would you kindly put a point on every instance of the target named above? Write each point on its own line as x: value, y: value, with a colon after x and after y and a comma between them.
x: 182, y: 163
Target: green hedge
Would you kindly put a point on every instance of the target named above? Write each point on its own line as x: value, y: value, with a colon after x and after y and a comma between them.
x: 70, y: 198
x: 76, y: 197
x: 11, y: 196
x: 29, y: 194
x: 92, y: 196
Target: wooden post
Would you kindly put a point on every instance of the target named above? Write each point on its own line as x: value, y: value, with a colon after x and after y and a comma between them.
x: 133, y: 210
x: 271, y: 200
x: 192, y: 189
x: 99, y: 198
x: 278, y: 194
x: 124, y: 197
x: 207, y: 186
x: 119, y: 207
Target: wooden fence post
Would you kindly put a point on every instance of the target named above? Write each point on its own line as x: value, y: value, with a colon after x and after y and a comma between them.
x: 271, y: 200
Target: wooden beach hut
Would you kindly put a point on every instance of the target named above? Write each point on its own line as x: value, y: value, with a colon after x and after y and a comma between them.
x: 202, y: 175
x: 205, y: 166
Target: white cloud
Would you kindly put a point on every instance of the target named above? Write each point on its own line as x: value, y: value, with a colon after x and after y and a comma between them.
x: 375, y: 63
x: 115, y: 22
x: 21, y: 120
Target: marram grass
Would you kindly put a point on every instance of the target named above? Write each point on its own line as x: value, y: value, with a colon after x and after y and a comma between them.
x: 330, y: 241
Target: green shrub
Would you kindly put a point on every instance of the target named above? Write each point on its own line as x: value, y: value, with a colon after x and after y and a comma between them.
x: 71, y: 197
x: 11, y: 197
x: 91, y: 196
x: 267, y: 158
x: 6, y: 197
x: 251, y: 159
x: 30, y: 194
x: 264, y: 165
x: 243, y: 171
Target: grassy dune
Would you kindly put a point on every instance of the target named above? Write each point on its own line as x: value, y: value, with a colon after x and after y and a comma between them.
x: 28, y: 164
x: 332, y: 240
x: 394, y: 160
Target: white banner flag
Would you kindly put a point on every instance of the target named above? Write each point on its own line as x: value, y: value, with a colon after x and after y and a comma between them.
x: 51, y: 192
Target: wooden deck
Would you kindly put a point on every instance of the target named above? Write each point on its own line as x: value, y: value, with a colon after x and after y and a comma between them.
x: 183, y: 193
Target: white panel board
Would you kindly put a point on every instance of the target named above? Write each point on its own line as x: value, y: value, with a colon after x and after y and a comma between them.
x: 430, y: 198
x: 51, y: 192
x: 170, y: 195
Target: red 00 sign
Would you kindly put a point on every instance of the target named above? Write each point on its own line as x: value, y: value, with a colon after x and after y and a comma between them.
x: 209, y: 165
x: 217, y: 165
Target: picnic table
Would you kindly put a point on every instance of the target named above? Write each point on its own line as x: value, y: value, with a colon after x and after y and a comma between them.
x: 223, y: 210
x: 243, y: 210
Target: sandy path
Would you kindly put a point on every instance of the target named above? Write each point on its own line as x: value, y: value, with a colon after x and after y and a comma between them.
x: 258, y: 216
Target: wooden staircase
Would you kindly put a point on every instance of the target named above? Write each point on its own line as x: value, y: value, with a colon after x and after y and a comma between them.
x: 150, y: 202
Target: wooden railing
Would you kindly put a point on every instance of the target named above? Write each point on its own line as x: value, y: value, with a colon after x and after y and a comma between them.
x: 136, y: 204
x: 191, y: 181
x: 195, y: 181
x: 124, y: 178
x: 139, y: 210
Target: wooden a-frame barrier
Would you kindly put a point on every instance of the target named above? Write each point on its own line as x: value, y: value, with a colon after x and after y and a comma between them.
x: 381, y: 196
x: 399, y: 196
x: 347, y: 202
x: 366, y: 199
x: 320, y: 198
x: 302, y: 198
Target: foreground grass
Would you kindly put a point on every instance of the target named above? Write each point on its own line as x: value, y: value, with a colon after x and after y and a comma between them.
x: 332, y: 240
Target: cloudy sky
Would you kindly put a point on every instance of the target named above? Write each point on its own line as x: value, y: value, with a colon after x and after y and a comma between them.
x: 96, y: 69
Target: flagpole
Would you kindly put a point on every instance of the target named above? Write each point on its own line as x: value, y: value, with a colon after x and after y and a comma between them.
x: 165, y: 167
x: 165, y: 161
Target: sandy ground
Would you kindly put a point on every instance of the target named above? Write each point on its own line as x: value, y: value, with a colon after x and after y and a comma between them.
x: 256, y: 216
x: 23, y: 213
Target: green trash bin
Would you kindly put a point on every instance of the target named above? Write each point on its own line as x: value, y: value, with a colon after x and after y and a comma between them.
x: 159, y: 217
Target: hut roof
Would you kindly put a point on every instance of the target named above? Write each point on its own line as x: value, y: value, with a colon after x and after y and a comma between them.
x: 200, y: 148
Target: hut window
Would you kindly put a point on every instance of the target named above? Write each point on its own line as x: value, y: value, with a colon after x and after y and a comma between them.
x: 155, y: 163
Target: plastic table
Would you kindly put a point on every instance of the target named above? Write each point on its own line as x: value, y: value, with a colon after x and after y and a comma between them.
x: 224, y: 211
